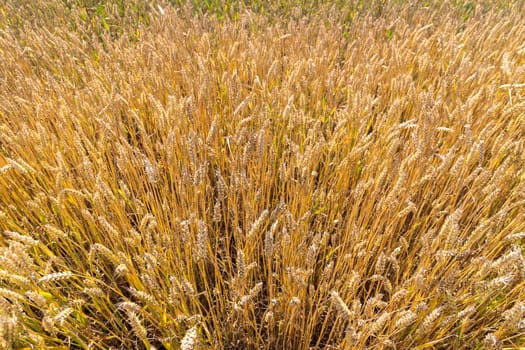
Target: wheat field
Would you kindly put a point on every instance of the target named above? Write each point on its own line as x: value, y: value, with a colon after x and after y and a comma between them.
x: 251, y: 175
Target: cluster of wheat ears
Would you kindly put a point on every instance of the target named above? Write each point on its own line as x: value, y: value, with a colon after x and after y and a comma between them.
x: 346, y: 178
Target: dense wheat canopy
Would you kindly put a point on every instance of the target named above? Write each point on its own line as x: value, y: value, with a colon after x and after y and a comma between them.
x: 251, y: 176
